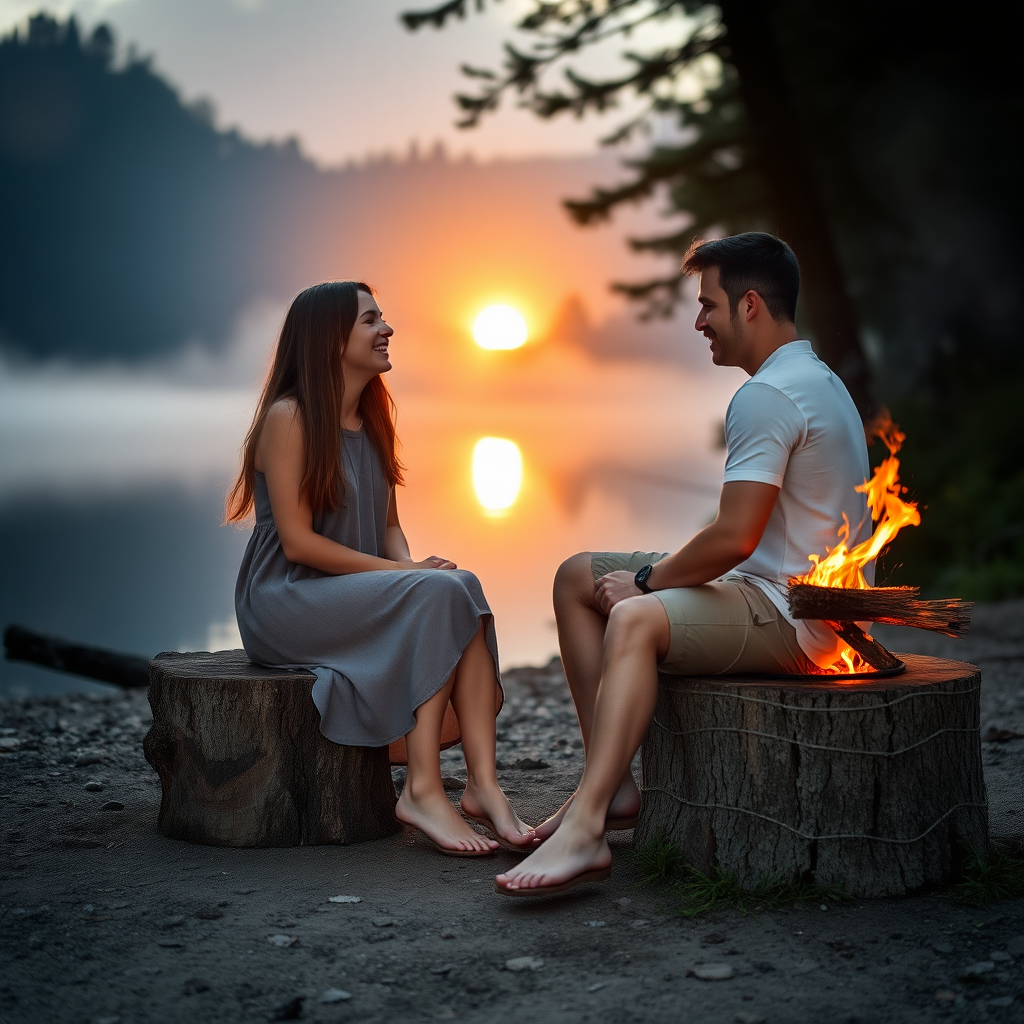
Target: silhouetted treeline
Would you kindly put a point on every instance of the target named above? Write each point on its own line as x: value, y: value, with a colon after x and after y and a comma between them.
x: 129, y: 223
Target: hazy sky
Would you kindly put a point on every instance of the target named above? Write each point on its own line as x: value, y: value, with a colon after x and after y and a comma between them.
x: 342, y: 75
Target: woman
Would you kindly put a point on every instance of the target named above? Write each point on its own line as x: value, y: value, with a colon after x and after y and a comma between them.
x: 327, y: 581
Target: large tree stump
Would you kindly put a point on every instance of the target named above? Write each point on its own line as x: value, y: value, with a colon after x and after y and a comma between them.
x: 242, y: 761
x: 876, y: 786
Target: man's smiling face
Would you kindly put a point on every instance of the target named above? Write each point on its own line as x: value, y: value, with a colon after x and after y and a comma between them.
x: 715, y: 321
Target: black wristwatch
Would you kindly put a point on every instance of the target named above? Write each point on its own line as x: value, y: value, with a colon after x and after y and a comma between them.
x: 640, y: 579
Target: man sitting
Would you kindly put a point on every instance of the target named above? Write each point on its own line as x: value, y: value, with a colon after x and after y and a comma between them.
x: 796, y: 452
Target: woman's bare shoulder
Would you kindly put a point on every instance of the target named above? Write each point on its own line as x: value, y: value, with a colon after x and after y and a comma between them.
x: 281, y: 431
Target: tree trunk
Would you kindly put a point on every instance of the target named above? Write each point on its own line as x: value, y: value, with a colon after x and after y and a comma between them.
x: 242, y: 761
x: 874, y: 786
x: 785, y: 163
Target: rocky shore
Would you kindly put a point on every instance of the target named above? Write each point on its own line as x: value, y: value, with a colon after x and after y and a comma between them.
x: 106, y: 922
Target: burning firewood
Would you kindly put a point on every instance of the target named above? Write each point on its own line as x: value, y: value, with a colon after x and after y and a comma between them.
x: 898, y: 606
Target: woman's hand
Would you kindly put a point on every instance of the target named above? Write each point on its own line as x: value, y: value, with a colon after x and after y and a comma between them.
x: 433, y: 562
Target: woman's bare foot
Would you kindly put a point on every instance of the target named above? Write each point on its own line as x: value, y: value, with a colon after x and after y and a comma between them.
x: 489, y: 802
x: 625, y: 805
x: 432, y: 813
x: 572, y: 851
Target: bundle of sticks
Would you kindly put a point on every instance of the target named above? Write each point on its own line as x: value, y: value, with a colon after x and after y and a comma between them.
x: 841, y: 608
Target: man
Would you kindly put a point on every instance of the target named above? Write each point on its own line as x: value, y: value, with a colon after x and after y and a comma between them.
x: 796, y: 452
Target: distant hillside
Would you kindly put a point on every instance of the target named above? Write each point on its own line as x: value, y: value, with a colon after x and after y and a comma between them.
x: 132, y: 226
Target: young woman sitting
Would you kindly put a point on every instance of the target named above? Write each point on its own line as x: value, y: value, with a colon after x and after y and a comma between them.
x: 327, y: 581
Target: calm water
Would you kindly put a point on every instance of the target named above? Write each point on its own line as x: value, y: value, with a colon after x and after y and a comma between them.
x: 111, y: 488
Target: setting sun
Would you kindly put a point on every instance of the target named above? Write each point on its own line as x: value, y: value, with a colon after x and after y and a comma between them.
x: 499, y: 327
x: 497, y: 473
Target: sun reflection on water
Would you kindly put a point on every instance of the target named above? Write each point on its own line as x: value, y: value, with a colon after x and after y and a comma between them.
x: 497, y: 474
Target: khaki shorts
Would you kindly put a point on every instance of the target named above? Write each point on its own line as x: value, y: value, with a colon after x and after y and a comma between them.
x: 726, y: 626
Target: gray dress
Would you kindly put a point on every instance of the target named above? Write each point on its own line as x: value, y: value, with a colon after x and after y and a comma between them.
x: 379, y: 643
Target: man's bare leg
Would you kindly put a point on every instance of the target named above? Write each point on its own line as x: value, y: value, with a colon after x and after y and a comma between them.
x: 637, y: 637
x: 581, y: 632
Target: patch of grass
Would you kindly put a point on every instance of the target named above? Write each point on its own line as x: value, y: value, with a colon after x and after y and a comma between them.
x: 662, y: 864
x: 989, y: 880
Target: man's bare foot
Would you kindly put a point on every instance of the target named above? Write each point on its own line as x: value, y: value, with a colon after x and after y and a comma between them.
x: 434, y: 816
x: 572, y: 851
x: 625, y: 805
x: 488, y: 803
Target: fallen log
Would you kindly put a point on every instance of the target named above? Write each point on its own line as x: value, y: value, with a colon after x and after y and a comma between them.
x: 897, y: 606
x: 128, y: 670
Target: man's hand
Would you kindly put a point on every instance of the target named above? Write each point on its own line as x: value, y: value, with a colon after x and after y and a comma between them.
x: 614, y: 587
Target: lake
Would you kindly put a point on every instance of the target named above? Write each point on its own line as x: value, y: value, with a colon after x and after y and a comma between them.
x: 112, y: 483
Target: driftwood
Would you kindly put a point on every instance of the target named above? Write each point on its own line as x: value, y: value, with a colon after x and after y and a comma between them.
x: 127, y: 670
x: 876, y: 786
x: 898, y: 606
x: 242, y: 761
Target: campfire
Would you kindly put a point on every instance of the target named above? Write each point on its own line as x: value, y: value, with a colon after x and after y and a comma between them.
x: 835, y: 589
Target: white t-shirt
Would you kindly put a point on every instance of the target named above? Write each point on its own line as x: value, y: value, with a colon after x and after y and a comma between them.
x: 794, y: 425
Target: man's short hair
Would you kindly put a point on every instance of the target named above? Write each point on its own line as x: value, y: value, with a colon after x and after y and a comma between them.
x: 752, y: 262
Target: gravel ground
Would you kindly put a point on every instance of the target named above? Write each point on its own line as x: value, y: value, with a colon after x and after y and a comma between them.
x: 104, y: 921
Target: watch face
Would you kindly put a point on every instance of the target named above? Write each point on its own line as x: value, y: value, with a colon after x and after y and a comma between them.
x: 641, y: 577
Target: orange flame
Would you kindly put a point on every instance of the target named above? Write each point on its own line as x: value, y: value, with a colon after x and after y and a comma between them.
x: 843, y: 566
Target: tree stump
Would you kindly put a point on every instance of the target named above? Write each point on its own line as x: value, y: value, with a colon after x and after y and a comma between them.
x: 242, y: 761
x: 876, y: 786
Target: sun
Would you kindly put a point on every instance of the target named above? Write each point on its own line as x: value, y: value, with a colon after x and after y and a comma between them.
x: 499, y: 327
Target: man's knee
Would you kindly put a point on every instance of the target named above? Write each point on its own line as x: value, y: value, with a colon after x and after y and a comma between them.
x: 574, y: 577
x: 638, y: 622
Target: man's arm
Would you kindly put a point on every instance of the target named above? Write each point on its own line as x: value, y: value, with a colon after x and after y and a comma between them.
x: 743, y: 512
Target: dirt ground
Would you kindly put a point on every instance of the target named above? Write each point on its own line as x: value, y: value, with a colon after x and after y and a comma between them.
x: 104, y: 921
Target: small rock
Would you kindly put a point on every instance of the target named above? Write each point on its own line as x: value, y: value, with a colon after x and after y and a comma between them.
x: 443, y: 969
x: 93, y: 787
x: 595, y: 924
x: 114, y: 1019
x: 291, y: 1010
x: 1000, y: 957
x: 452, y: 784
x: 530, y: 764
x: 624, y: 904
x: 112, y: 805
x: 382, y: 922
x: 282, y: 942
x: 335, y: 995
x: 712, y: 972
x: 209, y: 914
x: 243, y: 892
x: 1000, y: 1002
x: 341, y: 899
x: 88, y: 757
x: 174, y: 922
x: 763, y: 966
x: 996, y: 735
x: 973, y: 972
x: 447, y: 934
x: 943, y: 948
x: 713, y: 939
x: 596, y: 987
x: 196, y: 985
x: 640, y: 923
x: 748, y: 1017
x: 945, y: 996
x: 524, y: 963
x: 805, y: 967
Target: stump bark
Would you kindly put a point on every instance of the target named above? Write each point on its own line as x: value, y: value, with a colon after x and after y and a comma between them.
x: 242, y: 761
x: 876, y: 786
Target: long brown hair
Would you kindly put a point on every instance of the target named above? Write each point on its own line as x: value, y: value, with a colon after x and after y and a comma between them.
x: 307, y: 369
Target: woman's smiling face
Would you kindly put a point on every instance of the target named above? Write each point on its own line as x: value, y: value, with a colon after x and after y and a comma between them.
x: 366, y: 353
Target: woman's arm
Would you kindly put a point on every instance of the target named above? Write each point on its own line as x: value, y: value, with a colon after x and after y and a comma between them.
x: 280, y: 456
x: 397, y: 547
